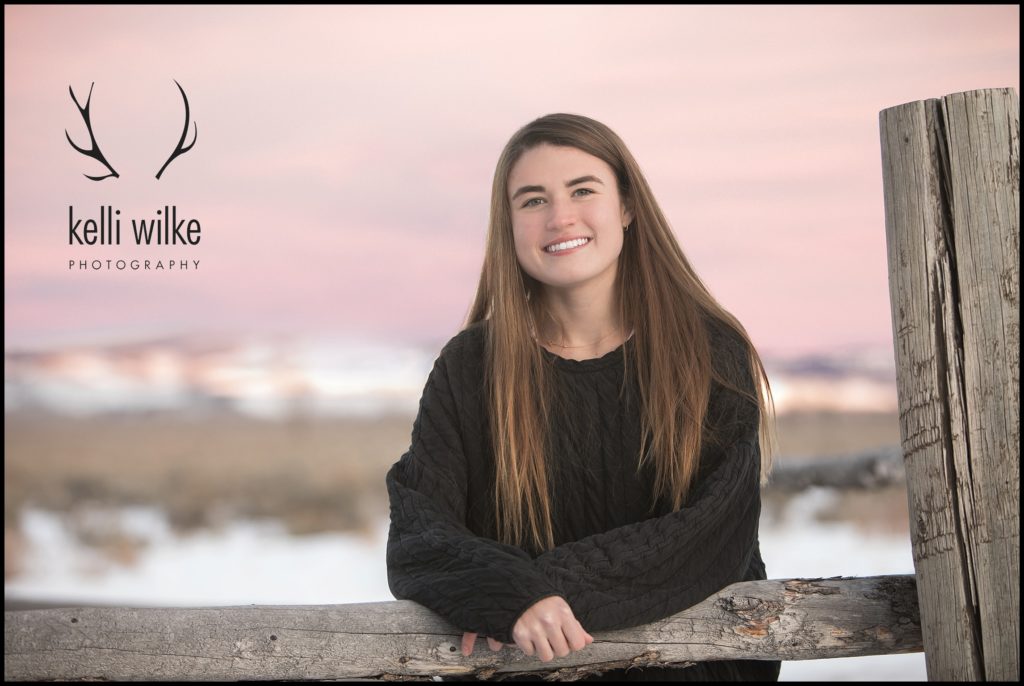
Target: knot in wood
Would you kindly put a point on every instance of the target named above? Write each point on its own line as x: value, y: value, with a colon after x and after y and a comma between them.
x: 748, y: 608
x: 758, y: 615
x: 446, y: 652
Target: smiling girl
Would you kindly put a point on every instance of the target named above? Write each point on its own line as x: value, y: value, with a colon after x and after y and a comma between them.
x: 587, y: 452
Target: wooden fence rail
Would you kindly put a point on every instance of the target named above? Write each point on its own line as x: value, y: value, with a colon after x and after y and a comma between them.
x: 787, y: 619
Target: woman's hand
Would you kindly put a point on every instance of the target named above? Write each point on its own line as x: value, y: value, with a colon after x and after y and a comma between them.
x: 549, y: 628
x: 546, y: 629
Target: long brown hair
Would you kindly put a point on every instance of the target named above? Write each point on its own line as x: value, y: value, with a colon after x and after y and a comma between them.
x: 659, y: 296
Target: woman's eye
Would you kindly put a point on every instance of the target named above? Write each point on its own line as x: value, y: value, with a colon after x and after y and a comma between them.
x: 529, y: 202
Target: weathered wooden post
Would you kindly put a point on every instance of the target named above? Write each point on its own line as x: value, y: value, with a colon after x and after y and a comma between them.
x: 951, y: 170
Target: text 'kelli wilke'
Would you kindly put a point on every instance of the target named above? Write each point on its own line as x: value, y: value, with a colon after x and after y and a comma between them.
x: 164, y: 229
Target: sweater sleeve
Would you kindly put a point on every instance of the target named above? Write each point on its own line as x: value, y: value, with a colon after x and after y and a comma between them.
x: 477, y: 583
x: 649, y: 570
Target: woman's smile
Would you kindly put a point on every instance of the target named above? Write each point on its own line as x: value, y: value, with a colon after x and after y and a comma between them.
x: 567, y: 247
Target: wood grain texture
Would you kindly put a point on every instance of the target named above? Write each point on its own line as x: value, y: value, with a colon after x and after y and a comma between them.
x: 951, y: 184
x: 789, y: 619
x: 984, y: 149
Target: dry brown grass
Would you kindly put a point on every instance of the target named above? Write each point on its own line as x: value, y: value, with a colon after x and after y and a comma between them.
x: 820, y: 434
x: 316, y: 474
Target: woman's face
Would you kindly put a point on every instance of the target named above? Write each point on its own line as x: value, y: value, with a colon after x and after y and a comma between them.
x: 559, y: 194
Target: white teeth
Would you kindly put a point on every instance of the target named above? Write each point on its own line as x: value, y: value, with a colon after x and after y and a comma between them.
x: 565, y: 246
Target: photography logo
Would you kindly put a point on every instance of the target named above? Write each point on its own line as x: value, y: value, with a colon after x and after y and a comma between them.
x: 95, y: 153
x: 163, y: 230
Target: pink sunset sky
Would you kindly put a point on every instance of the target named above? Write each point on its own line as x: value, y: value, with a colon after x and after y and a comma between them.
x: 344, y: 158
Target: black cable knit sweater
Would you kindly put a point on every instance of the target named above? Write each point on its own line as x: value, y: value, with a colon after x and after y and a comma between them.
x: 616, y: 563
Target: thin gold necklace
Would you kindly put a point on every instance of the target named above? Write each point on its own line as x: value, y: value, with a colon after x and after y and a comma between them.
x: 574, y: 347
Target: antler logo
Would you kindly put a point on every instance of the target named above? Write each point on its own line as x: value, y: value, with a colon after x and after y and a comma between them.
x: 95, y: 153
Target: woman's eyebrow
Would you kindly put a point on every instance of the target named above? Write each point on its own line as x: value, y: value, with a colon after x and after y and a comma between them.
x: 568, y: 184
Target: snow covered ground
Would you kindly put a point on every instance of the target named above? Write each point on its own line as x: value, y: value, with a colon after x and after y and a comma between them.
x: 279, y: 569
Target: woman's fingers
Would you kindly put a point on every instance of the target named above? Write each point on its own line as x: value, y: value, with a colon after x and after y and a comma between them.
x: 546, y: 647
x: 525, y: 645
x: 468, y: 639
x: 494, y: 645
x: 556, y: 639
x: 532, y: 641
x: 576, y: 638
x: 543, y: 649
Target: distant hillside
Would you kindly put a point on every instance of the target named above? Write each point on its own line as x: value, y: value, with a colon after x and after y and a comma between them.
x: 276, y: 378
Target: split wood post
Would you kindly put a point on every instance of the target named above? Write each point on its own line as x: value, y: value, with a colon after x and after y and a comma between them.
x: 951, y: 171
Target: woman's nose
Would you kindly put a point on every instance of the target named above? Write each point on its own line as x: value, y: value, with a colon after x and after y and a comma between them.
x: 562, y: 213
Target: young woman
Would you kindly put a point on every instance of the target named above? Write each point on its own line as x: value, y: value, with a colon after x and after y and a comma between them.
x: 587, y: 453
